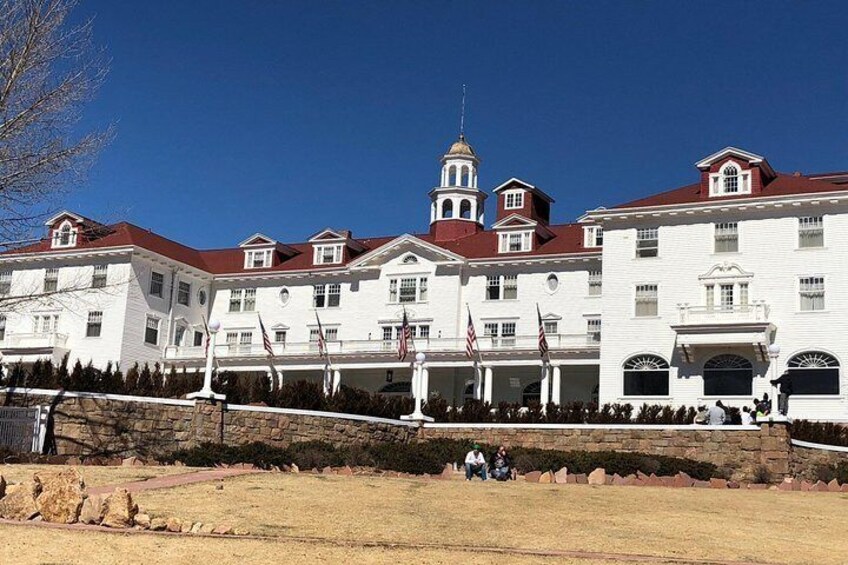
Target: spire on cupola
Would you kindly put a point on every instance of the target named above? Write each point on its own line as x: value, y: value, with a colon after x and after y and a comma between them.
x: 456, y: 208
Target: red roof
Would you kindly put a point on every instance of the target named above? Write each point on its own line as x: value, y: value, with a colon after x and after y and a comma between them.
x: 782, y: 185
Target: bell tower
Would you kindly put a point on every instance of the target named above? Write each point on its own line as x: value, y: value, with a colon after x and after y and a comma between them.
x: 456, y: 208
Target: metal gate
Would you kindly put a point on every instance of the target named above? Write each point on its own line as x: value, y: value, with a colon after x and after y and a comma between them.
x: 23, y: 429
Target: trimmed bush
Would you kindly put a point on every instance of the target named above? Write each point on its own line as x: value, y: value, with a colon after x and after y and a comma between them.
x: 820, y: 432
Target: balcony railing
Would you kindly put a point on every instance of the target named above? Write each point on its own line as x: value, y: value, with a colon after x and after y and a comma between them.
x: 33, y: 341
x: 756, y: 311
x: 353, y: 347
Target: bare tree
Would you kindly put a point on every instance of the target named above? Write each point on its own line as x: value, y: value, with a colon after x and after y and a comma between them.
x: 48, y: 70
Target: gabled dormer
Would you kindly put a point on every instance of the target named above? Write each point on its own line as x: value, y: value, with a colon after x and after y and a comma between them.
x: 333, y: 247
x: 263, y: 252
x: 593, y: 236
x: 734, y: 172
x: 67, y: 230
x: 516, y: 196
x: 517, y: 234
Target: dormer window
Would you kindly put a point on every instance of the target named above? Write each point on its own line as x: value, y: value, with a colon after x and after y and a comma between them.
x: 65, y: 235
x: 328, y: 254
x: 257, y: 258
x: 593, y: 236
x: 516, y: 242
x: 514, y: 200
x: 730, y: 180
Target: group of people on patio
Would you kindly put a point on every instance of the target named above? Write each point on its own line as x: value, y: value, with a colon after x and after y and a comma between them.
x: 500, y: 465
x: 717, y: 415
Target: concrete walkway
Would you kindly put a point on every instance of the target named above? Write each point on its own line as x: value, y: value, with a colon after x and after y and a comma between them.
x: 168, y: 481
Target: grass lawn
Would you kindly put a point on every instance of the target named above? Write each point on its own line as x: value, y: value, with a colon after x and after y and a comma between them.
x: 92, y: 474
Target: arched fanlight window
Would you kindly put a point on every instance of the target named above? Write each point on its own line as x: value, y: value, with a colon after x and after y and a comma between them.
x: 403, y: 388
x: 728, y: 375
x: 531, y: 393
x: 814, y: 372
x: 646, y: 375
x: 447, y: 209
x: 410, y: 260
x: 731, y: 179
x: 465, y: 209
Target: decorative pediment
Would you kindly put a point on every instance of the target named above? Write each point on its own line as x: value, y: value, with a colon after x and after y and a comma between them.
x: 62, y: 216
x: 404, y: 245
x: 280, y: 327
x: 725, y: 271
x: 550, y: 316
x: 515, y: 221
x: 257, y: 240
x: 735, y: 153
x: 330, y: 235
x: 516, y: 183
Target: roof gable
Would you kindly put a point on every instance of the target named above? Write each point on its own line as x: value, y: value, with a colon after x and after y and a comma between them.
x: 515, y: 221
x: 330, y: 235
x: 64, y: 214
x: 257, y: 239
x: 515, y: 182
x: 402, y: 245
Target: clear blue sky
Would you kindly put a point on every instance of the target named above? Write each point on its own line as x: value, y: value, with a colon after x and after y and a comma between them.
x: 287, y: 117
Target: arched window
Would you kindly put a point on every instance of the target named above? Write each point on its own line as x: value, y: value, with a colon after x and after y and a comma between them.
x: 447, y: 209
x: 465, y: 209
x: 814, y: 372
x: 728, y: 375
x: 731, y: 179
x: 453, y: 176
x: 646, y: 375
x: 403, y: 388
x: 468, y: 392
x: 531, y: 393
x: 65, y: 234
x: 410, y: 259
x: 552, y: 282
x: 466, y: 176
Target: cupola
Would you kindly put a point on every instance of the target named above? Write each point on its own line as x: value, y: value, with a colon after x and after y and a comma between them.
x: 456, y: 207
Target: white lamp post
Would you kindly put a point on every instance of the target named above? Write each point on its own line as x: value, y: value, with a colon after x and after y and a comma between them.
x: 774, y: 353
x: 417, y: 386
x: 206, y: 392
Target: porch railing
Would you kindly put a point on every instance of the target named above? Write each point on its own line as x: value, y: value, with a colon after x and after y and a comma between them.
x: 33, y: 340
x: 756, y: 311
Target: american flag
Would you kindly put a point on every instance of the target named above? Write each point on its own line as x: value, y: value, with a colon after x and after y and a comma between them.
x: 266, y: 341
x: 404, y: 337
x: 322, y: 343
x: 543, y: 341
x: 470, y: 339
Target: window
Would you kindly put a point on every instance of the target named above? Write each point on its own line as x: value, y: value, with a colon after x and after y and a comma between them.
x: 811, y: 232
x: 330, y: 334
x: 51, y: 280
x: 179, y: 334
x: 813, y: 372
x: 65, y: 236
x: 647, y: 242
x: 514, y: 200
x: 94, y: 325
x: 410, y: 260
x: 595, y: 283
x: 646, y: 300
x: 45, y: 323
x: 531, y: 393
x: 5, y: 283
x: 201, y: 297
x: 151, y: 331
x: 726, y: 237
x: 326, y: 295
x: 502, y: 334
x: 258, y: 258
x: 242, y: 300
x: 2, y: 327
x: 328, y: 254
x: 157, y: 284
x: 726, y: 296
x: 501, y: 287
x: 98, y: 278
x: 391, y: 334
x: 731, y: 180
x: 593, y: 330
x: 465, y: 209
x: 285, y: 296
x: 593, y: 236
x: 551, y: 327
x: 728, y: 375
x: 239, y: 343
x: 447, y: 209
x: 184, y: 293
x: 812, y: 293
x: 516, y: 242
x: 408, y: 289
x: 552, y: 283
x: 646, y: 375
x: 198, y: 339
x: 280, y: 336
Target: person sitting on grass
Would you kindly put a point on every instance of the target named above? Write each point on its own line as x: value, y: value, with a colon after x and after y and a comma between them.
x: 501, y: 465
x: 475, y: 464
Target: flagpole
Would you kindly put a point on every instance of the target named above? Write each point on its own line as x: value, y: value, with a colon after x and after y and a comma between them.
x: 326, y: 348
x: 478, y: 363
x: 265, y: 336
x: 546, y: 355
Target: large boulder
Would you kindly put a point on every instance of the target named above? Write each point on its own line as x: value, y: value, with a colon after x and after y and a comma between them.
x: 119, y: 509
x: 62, y: 495
x: 92, y: 509
x: 20, y: 501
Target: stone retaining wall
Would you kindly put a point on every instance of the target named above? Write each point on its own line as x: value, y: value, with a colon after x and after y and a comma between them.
x: 805, y: 460
x: 741, y: 451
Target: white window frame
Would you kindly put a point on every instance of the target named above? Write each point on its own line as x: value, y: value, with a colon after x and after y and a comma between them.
x: 327, y: 290
x: 593, y: 236
x: 45, y: 324
x: 158, y: 322
x: 95, y: 320
x: 642, y: 291
x: 51, y: 279
x: 514, y: 199
x: 515, y: 241
x: 647, y: 235
x: 6, y: 282
x: 501, y: 284
x: 418, y: 285
x: 726, y: 234
x: 100, y: 276
x: 334, y: 257
x: 809, y: 227
x: 501, y: 333
x: 595, y: 283
x: 743, y: 180
x: 593, y: 330
x: 161, y: 284
x: 809, y: 287
x: 242, y: 300
x: 65, y: 229
x: 184, y: 293
x: 258, y: 258
x: 280, y: 336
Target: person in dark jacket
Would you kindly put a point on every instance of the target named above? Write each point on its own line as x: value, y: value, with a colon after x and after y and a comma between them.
x: 501, y: 465
x: 784, y: 381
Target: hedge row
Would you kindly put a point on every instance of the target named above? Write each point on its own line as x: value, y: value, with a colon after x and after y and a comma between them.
x: 820, y: 432
x: 431, y: 456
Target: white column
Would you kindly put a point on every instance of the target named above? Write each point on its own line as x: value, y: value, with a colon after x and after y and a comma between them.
x: 478, y: 382
x: 206, y: 392
x: 270, y: 375
x: 328, y: 384
x: 337, y: 380
x: 279, y: 378
x: 487, y: 385
x: 556, y: 384
x: 545, y: 396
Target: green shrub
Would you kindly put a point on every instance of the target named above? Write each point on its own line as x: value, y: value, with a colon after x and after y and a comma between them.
x: 827, y: 473
x: 826, y: 433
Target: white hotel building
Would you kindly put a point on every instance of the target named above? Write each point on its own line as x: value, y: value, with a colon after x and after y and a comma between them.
x: 690, y: 286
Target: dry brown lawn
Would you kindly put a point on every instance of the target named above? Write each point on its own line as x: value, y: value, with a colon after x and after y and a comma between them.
x: 93, y: 475
x: 778, y: 527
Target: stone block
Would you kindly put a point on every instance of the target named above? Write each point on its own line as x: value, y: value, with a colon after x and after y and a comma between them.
x: 820, y: 486
x: 546, y: 478
x: 844, y: 488
x: 561, y: 476
x: 806, y: 486
x: 682, y: 480
x: 533, y: 476
x: 757, y: 486
x: 581, y: 479
x: 597, y: 477
x: 702, y: 484
x: 61, y: 496
x: 833, y: 486
x: 119, y: 509
x: 654, y: 481
x: 718, y: 483
x: 20, y: 501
